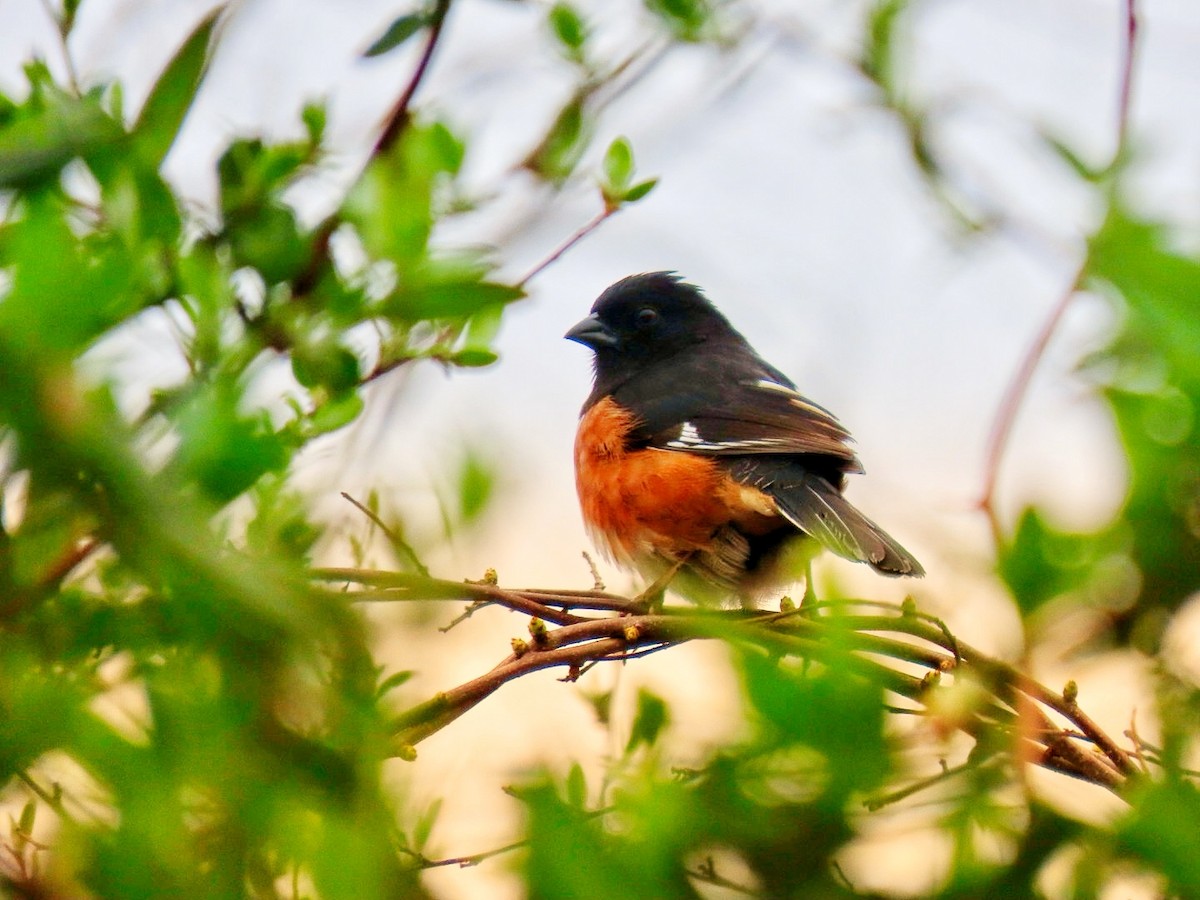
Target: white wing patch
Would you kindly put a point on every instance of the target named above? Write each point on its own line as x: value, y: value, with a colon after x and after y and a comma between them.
x: 797, y: 399
x: 689, y: 436
x: 767, y: 385
x: 690, y: 439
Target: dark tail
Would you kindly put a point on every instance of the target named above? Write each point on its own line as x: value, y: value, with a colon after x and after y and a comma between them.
x: 817, y: 508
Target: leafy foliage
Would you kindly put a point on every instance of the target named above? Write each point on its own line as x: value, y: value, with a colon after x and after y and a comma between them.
x: 1151, y: 378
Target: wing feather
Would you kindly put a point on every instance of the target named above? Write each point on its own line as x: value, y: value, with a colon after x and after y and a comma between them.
x: 816, y: 506
x: 757, y: 417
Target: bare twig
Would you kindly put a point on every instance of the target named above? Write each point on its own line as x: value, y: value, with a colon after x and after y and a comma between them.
x: 922, y: 784
x: 51, y: 578
x: 399, y: 115
x: 474, y: 859
x: 50, y: 798
x: 597, y: 581
x: 707, y: 873
x: 599, y: 219
x: 401, y: 546
x: 1013, y: 399
x: 1125, y: 97
x: 1014, y: 396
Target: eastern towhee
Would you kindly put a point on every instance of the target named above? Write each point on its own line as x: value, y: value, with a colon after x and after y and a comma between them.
x: 694, y: 452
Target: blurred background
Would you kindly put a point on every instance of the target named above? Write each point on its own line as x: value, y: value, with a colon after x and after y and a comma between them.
x: 901, y: 299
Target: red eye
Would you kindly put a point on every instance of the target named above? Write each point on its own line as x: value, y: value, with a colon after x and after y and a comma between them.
x: 646, y: 316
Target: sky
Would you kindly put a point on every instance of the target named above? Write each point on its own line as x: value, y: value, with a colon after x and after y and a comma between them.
x: 789, y: 195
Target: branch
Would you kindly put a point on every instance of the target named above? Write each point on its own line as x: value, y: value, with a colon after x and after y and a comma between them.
x: 398, y: 118
x: 599, y: 219
x: 1014, y: 397
x: 474, y: 859
x: 1041, y: 725
x: 1125, y: 96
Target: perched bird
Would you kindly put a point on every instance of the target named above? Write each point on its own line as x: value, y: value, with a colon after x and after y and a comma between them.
x: 694, y: 453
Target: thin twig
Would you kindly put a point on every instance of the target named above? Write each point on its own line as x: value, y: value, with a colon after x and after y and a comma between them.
x: 876, y: 803
x: 401, y: 546
x: 566, y: 245
x: 474, y: 859
x: 707, y: 873
x: 399, y: 116
x: 62, y: 26
x: 1125, y: 98
x: 50, y: 799
x: 597, y: 581
x: 1014, y: 397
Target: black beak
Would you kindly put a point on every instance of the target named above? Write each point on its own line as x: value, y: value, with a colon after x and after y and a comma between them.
x: 591, y: 332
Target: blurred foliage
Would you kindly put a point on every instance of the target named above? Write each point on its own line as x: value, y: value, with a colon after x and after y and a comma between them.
x: 183, y: 713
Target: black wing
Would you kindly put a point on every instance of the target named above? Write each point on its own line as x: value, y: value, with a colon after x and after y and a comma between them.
x: 731, y: 404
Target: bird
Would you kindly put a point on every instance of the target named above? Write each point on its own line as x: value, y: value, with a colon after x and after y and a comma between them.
x: 696, y: 460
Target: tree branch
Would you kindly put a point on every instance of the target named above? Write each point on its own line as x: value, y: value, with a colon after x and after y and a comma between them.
x: 1041, y: 726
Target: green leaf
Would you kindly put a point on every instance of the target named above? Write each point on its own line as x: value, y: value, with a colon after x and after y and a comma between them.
x: 281, y: 527
x: 393, y: 681
x: 65, y: 291
x: 336, y: 413
x: 314, y: 117
x: 326, y: 364
x: 139, y: 207
x: 268, y: 239
x: 476, y: 484
x: 832, y: 712
x: 425, y: 823
x: 36, y: 146
x: 577, y: 787
x: 601, y: 705
x: 28, y: 817
x: 205, y: 277
x: 571, y: 856
x: 687, y: 20
x: 1041, y: 563
x: 1161, y: 831
x: 639, y: 190
x: 879, y: 52
x: 252, y: 174
x: 483, y: 327
x: 559, y: 152
x: 1151, y: 375
x: 474, y: 358
x: 70, y: 8
x: 648, y: 722
x: 568, y: 26
x: 392, y: 205
x: 163, y: 113
x: 446, y: 148
x: 221, y: 450
x: 397, y: 33
x: 617, y: 173
x: 618, y: 166
x: 449, y: 300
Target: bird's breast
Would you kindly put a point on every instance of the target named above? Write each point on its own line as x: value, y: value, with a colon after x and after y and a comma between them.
x: 646, y: 500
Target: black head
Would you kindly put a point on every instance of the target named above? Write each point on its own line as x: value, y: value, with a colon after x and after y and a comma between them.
x: 647, y: 318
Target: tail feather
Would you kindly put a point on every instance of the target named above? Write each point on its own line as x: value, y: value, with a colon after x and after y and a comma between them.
x: 818, y: 508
